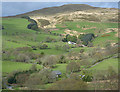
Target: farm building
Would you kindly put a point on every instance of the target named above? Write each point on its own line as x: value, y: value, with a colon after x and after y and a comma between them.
x: 57, y: 73
x: 69, y: 42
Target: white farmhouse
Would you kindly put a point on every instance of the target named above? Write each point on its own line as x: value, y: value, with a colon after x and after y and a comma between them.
x: 69, y: 42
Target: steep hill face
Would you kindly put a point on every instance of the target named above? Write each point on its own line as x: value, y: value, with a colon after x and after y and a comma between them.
x: 73, y: 12
x: 61, y: 9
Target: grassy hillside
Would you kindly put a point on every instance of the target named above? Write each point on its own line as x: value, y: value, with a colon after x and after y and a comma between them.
x: 61, y: 9
x: 106, y: 64
x: 22, y: 47
x: 16, y: 34
x: 8, y: 66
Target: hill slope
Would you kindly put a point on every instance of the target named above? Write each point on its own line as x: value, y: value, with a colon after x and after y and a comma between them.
x: 60, y: 9
x: 73, y: 12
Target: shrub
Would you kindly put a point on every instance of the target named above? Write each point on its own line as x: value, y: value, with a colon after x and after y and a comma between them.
x: 43, y: 77
x: 48, y: 39
x: 24, y: 49
x: 6, y: 55
x: 47, y: 76
x: 32, y: 55
x: 21, y: 78
x: 43, y: 46
x: 26, y: 17
x: 81, y: 36
x: 33, y: 80
x: 64, y: 40
x: 34, y: 47
x: 3, y: 83
x: 87, y: 38
x: 85, y: 43
x: 32, y: 26
x: 73, y: 67
x: 43, y: 22
x: 88, y: 77
x: 62, y: 59
x: 90, y: 44
x: 1, y: 27
x: 32, y: 21
x: 71, y: 38
x: 33, y: 68
x: 82, y: 50
x: 57, y: 47
x: 113, y: 20
x: 49, y: 60
x: 22, y: 58
x: 42, y: 53
x: 38, y: 61
x: 74, y: 76
x: 69, y: 84
x: 11, y: 78
x: 66, y: 47
x: 84, y: 62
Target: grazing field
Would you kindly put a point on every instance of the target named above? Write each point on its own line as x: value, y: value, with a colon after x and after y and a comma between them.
x: 9, y: 66
x: 104, y: 65
x: 61, y: 67
x: 69, y: 49
x: 17, y: 35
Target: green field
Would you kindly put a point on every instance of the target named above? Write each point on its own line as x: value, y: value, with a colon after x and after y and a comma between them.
x: 9, y: 66
x: 61, y: 67
x: 73, y: 26
x: 16, y: 34
x: 104, y: 65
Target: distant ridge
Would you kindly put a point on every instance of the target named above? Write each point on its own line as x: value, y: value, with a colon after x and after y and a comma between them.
x: 59, y: 9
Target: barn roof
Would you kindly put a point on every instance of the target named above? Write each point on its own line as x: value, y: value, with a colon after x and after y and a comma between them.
x: 57, y: 72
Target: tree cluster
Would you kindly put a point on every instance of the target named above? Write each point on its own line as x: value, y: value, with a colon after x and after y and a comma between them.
x: 70, y: 38
x: 33, y: 25
x: 87, y: 38
x: 73, y: 67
